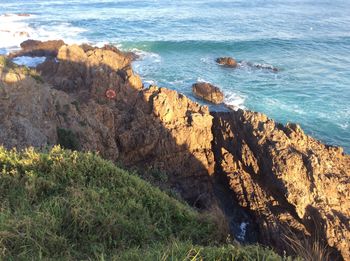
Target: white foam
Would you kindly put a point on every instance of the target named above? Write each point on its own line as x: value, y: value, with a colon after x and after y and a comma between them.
x: 15, y: 29
x: 199, y: 79
x: 206, y: 60
x: 262, y: 66
x: 148, y: 83
x: 147, y: 56
x: 344, y: 125
x: 234, y: 100
x: 29, y: 61
x: 242, y: 233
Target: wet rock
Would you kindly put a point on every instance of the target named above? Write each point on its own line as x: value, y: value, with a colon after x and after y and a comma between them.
x: 227, y: 62
x: 208, y: 92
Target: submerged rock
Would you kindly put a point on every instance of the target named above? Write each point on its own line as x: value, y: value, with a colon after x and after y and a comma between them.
x: 208, y: 92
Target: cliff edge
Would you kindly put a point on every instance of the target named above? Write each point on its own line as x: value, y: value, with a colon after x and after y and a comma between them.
x: 89, y: 99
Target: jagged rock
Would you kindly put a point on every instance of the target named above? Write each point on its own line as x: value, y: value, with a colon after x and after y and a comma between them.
x: 285, y: 178
x: 38, y: 48
x: 282, y: 177
x: 154, y: 129
x: 208, y: 92
x: 227, y: 62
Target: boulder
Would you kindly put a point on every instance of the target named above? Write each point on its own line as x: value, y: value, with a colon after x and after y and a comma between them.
x: 208, y: 92
x: 38, y: 48
x: 227, y: 62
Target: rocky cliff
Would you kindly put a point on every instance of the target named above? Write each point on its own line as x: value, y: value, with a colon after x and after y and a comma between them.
x: 283, y: 179
x: 293, y: 184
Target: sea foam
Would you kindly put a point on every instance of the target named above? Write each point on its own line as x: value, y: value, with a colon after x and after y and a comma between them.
x: 14, y: 29
x: 29, y: 61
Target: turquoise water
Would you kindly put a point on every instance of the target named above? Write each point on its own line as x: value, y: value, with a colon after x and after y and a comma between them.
x: 309, y: 41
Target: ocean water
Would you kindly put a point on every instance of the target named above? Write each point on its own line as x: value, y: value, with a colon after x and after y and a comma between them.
x: 178, y: 41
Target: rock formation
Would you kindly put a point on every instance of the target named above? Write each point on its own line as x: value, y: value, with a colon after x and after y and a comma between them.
x: 232, y: 63
x: 38, y: 48
x: 284, y: 179
x: 288, y: 180
x: 155, y: 129
x: 227, y: 62
x: 208, y: 92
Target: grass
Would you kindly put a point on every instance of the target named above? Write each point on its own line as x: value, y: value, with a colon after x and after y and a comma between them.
x: 307, y: 248
x: 186, y: 251
x: 64, y: 205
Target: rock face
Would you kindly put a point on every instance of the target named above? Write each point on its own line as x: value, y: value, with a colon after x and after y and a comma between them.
x: 285, y: 178
x: 208, y: 92
x: 227, y: 62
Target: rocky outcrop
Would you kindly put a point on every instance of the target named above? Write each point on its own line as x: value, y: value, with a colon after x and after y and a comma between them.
x: 208, y: 92
x: 283, y: 179
x: 289, y: 181
x: 154, y: 129
x: 38, y: 48
x: 227, y: 62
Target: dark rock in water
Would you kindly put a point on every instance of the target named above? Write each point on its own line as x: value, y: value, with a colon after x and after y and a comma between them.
x: 208, y: 92
x: 21, y: 14
x: 265, y: 67
x: 38, y: 48
x: 227, y: 62
x: 232, y: 63
x: 24, y: 14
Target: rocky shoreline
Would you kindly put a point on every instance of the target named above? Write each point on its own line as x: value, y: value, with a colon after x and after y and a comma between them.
x: 271, y: 177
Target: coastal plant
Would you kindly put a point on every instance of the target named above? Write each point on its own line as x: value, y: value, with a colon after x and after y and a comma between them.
x: 306, y: 248
x: 68, y: 205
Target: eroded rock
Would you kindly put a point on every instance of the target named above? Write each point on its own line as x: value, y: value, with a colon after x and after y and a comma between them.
x: 288, y: 180
x: 38, y: 48
x: 208, y: 92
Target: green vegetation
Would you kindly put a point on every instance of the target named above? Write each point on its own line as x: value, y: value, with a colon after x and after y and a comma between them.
x: 3, y: 61
x: 64, y: 205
